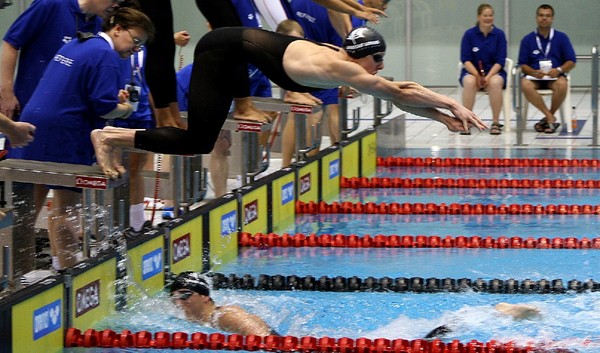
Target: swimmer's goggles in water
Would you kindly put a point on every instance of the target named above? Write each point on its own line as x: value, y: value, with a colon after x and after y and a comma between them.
x: 184, y: 295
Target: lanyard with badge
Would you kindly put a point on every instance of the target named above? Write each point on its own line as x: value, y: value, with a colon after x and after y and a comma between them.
x: 132, y: 88
x: 546, y: 64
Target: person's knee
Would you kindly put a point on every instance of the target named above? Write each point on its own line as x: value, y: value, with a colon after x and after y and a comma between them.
x: 528, y: 86
x: 496, y: 81
x: 469, y: 81
x: 560, y: 85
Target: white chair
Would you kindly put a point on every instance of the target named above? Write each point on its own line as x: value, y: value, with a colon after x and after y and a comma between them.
x: 506, y: 95
x: 565, y: 108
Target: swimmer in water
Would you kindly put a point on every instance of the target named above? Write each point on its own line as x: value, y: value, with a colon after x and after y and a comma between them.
x: 517, y: 311
x: 190, y: 292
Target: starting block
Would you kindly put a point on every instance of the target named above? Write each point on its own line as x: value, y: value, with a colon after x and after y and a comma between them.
x: 252, y: 158
x: 89, y: 178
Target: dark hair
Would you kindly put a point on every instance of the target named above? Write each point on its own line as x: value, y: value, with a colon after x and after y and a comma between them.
x: 128, y: 17
x: 545, y: 7
x: 192, y: 281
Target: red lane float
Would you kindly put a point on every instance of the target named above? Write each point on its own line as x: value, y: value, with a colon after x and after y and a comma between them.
x: 261, y: 240
x: 485, y: 162
x: 307, y: 344
x: 454, y: 208
x: 406, y: 183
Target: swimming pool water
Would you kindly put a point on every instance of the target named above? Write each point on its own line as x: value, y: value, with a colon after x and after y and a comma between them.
x: 488, y: 264
x: 568, y: 318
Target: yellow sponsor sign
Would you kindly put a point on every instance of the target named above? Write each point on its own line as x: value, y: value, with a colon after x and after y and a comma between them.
x: 146, y: 264
x: 368, y: 154
x: 37, y: 322
x: 308, y: 182
x: 350, y: 159
x: 330, y: 175
x: 284, y: 201
x: 254, y: 210
x: 186, y: 247
x: 223, y: 233
x: 93, y: 294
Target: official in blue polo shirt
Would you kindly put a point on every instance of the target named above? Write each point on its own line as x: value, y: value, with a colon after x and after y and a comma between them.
x: 483, y: 54
x: 79, y: 90
x: 545, y: 56
x: 35, y: 36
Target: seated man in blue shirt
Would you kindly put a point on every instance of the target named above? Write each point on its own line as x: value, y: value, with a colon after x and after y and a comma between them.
x: 545, y: 56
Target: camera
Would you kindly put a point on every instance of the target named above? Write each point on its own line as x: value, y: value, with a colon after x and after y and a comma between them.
x: 134, y: 95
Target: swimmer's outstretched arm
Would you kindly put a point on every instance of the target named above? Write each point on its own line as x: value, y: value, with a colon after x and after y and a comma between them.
x: 407, y: 95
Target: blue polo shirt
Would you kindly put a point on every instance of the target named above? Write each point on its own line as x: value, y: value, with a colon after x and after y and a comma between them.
x: 490, y: 50
x: 358, y: 22
x: 314, y: 21
x: 80, y: 84
x: 316, y: 25
x: 43, y: 28
x: 560, y: 50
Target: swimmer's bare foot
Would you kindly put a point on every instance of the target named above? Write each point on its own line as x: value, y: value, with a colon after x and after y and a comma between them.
x: 107, y: 156
x: 301, y: 98
x: 245, y: 110
x: 518, y: 311
x: 252, y: 115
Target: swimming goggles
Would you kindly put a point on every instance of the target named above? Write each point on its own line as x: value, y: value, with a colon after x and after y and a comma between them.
x: 184, y: 295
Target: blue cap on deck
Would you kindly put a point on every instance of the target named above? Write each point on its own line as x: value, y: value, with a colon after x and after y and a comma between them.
x: 363, y: 41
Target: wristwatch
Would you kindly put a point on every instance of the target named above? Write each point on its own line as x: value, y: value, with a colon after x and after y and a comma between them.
x: 560, y: 69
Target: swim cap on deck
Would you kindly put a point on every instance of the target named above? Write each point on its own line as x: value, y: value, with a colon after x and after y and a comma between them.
x: 363, y: 41
x: 192, y: 281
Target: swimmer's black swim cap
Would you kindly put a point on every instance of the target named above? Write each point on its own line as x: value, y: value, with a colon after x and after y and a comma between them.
x: 363, y: 41
x: 192, y: 281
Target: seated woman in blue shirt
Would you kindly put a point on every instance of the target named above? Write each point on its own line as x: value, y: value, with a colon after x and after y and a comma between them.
x: 483, y: 53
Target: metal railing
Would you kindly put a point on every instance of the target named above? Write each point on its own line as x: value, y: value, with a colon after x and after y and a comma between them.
x: 595, y: 95
x: 378, y: 115
x: 345, y: 129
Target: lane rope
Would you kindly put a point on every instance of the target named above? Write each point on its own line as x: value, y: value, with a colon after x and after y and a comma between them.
x: 401, y: 284
x: 485, y: 162
x: 406, y: 208
x: 270, y: 240
x: 306, y: 344
x: 407, y: 183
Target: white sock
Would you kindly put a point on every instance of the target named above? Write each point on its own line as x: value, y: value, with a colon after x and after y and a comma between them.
x: 137, y: 216
x: 56, y: 263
